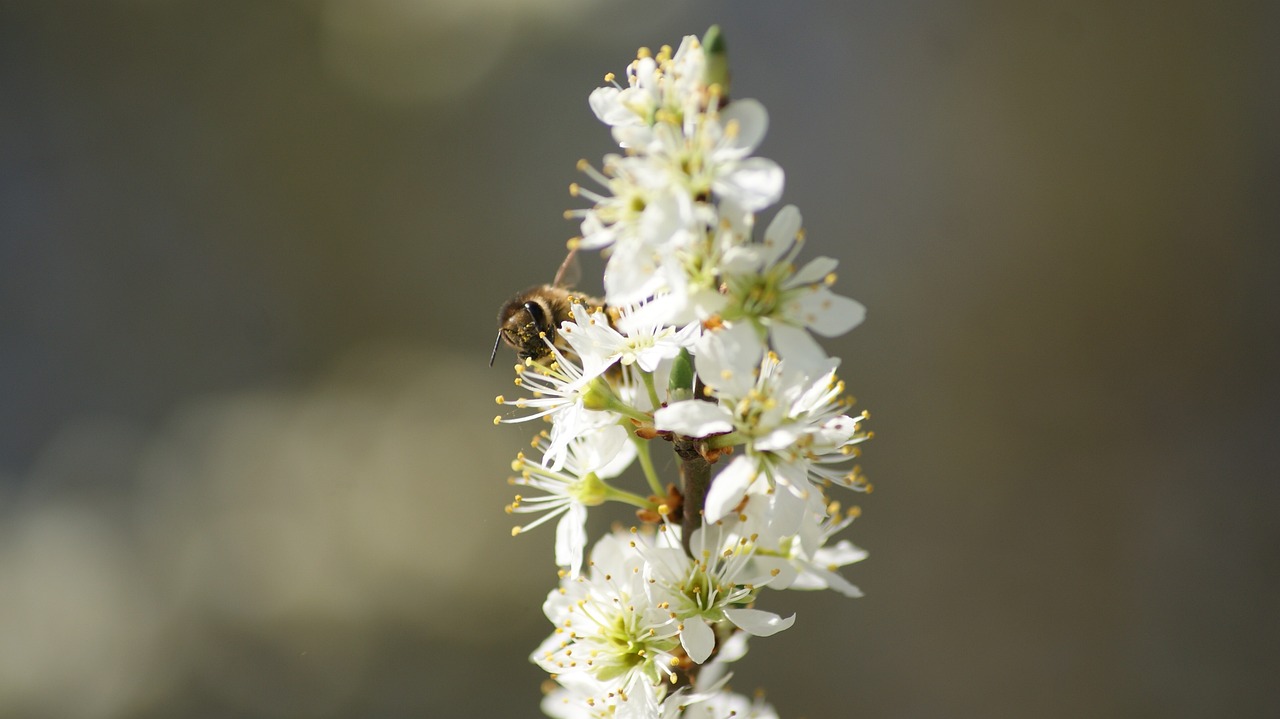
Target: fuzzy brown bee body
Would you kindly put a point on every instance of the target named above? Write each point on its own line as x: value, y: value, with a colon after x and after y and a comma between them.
x: 530, y: 316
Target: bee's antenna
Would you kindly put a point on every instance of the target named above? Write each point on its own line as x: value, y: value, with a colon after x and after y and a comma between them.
x: 496, y: 342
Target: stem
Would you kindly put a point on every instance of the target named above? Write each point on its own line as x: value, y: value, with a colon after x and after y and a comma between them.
x: 720, y: 441
x: 646, y: 463
x: 653, y: 391
x: 621, y: 495
x: 695, y: 476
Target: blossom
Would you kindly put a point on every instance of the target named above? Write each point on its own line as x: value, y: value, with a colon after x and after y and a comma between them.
x: 561, y: 391
x: 712, y: 586
x: 694, y: 303
x: 767, y: 291
x: 668, y: 84
x: 645, y: 343
x: 611, y: 642
x: 790, y: 422
x: 802, y: 560
x: 590, y: 458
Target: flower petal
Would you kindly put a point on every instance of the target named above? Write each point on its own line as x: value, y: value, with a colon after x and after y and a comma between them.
x: 752, y: 121
x: 815, y: 271
x: 796, y: 346
x: 827, y: 313
x: 698, y: 639
x: 571, y: 538
x: 755, y: 183
x: 728, y: 487
x: 759, y: 623
x: 694, y: 418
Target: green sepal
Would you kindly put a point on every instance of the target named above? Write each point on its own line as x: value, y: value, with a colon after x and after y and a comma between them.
x: 680, y: 386
x: 717, y: 59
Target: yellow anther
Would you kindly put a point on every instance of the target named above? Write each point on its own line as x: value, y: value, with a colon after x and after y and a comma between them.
x: 574, y: 189
x: 830, y: 279
x: 500, y: 399
x: 497, y: 420
x: 515, y: 531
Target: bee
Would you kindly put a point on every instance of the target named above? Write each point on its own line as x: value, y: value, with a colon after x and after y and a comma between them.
x: 536, y: 313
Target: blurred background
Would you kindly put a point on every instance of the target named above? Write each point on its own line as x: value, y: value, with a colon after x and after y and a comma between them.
x: 250, y: 257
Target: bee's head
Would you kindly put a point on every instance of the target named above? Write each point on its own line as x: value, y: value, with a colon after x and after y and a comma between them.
x: 524, y: 322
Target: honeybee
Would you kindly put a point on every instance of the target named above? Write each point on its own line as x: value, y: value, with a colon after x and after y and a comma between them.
x: 525, y: 319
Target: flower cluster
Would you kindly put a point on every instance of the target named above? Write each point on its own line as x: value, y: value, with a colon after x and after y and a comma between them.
x: 703, y: 341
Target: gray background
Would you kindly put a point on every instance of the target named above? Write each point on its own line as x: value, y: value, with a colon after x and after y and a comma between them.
x: 250, y: 254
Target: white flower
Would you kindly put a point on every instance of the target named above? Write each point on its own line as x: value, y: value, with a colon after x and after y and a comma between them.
x: 673, y: 85
x: 590, y: 458
x: 803, y: 561
x: 559, y: 391
x: 728, y: 705
x: 789, y: 421
x: 644, y: 344
x: 713, y: 588
x: 641, y: 206
x: 710, y: 154
x: 766, y: 290
x: 611, y: 643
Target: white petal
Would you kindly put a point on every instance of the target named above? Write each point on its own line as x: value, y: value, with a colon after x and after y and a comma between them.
x: 694, y: 418
x: 787, y: 513
x: 605, y: 103
x: 827, y: 313
x: 797, y: 346
x: 782, y: 231
x: 782, y: 571
x: 632, y: 136
x: 759, y: 623
x: 728, y: 488
x: 780, y: 438
x: 817, y: 269
x: 752, y: 120
x: 842, y: 554
x: 728, y: 358
x: 571, y: 538
x: 754, y: 183
x: 697, y: 639
x: 842, y: 585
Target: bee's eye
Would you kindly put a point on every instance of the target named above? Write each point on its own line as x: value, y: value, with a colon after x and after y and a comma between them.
x: 539, y: 317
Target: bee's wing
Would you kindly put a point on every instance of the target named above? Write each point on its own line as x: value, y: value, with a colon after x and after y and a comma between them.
x: 570, y: 271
